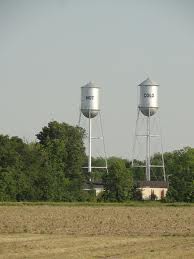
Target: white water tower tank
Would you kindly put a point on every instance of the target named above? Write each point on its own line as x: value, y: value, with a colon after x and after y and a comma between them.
x: 90, y: 100
x: 148, y: 102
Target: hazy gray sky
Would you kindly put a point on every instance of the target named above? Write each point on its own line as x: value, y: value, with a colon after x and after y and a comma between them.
x: 49, y: 49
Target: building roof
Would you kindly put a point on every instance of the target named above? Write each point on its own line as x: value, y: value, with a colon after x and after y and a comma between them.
x: 90, y: 186
x: 148, y: 82
x: 152, y: 184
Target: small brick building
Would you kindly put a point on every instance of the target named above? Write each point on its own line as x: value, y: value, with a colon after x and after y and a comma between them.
x: 155, y: 190
x: 97, y: 187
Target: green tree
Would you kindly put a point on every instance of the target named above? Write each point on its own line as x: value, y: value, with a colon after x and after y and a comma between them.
x: 48, y: 170
x: 118, y: 182
x: 65, y: 151
x: 36, y: 183
x: 180, y: 168
x: 12, y: 151
x: 7, y: 185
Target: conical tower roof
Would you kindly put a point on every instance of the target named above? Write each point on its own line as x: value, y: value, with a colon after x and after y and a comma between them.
x: 148, y: 82
x: 91, y: 84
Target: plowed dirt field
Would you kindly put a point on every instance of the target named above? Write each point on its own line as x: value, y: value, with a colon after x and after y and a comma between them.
x: 96, y: 232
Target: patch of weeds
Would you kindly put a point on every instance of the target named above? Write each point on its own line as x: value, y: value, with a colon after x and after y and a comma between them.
x: 25, y: 229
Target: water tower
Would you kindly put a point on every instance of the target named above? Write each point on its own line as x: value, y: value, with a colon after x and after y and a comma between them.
x: 148, y: 111
x: 90, y: 108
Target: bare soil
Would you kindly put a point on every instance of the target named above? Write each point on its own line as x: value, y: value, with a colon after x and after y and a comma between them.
x: 96, y: 232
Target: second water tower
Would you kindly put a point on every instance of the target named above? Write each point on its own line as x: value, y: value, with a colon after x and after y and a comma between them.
x: 147, y: 111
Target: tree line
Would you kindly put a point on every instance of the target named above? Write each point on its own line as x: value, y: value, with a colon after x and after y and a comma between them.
x: 50, y: 169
